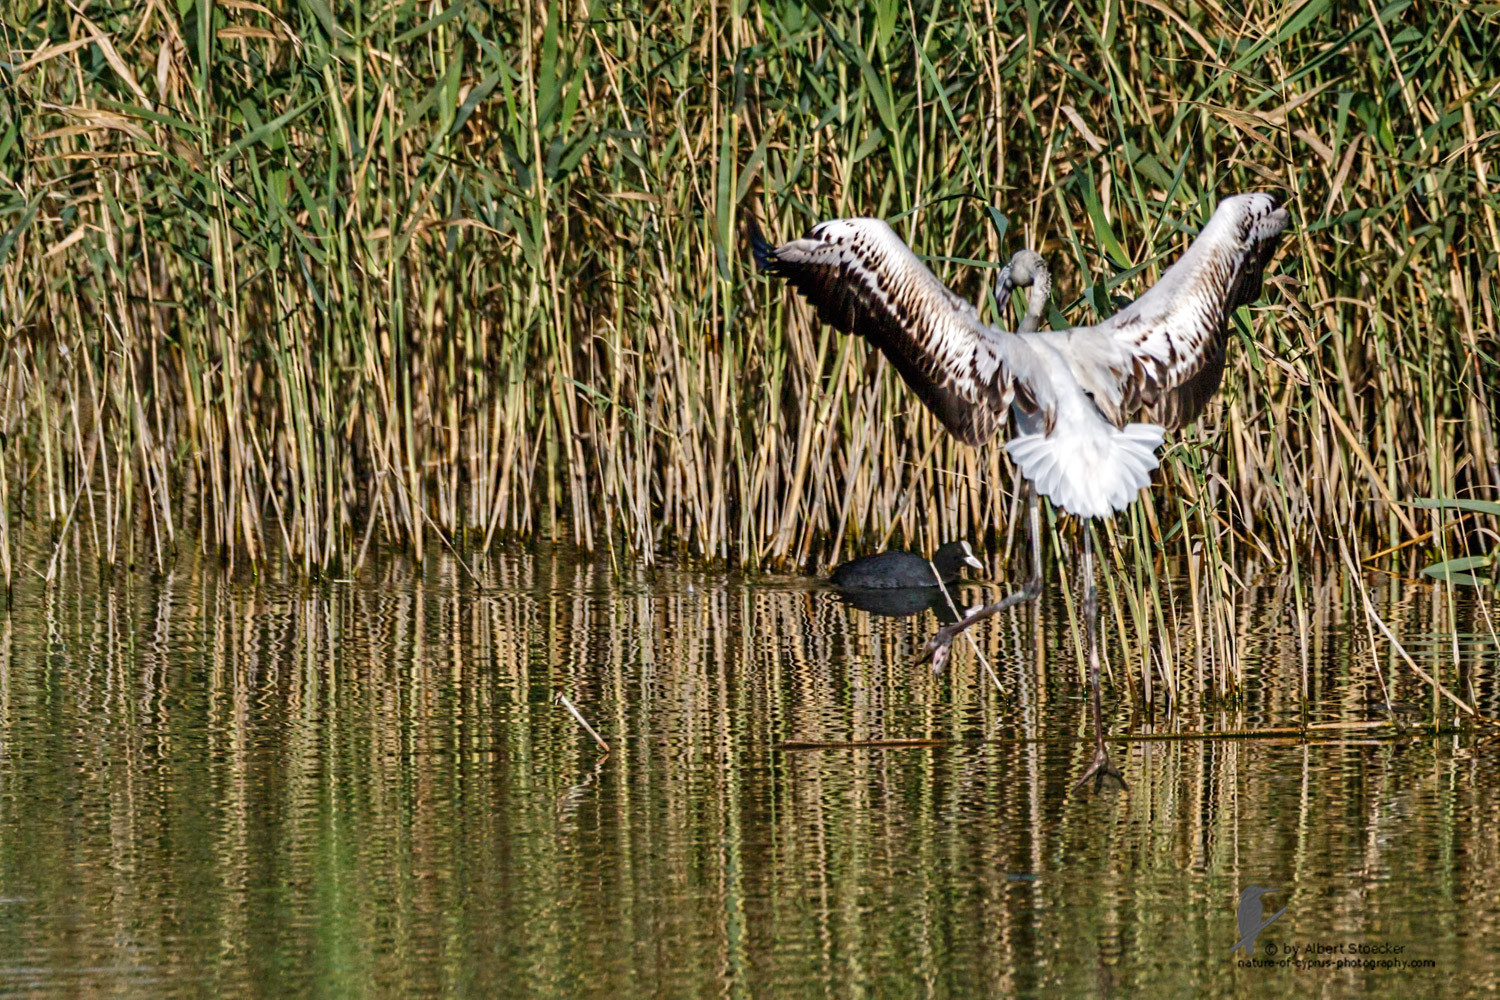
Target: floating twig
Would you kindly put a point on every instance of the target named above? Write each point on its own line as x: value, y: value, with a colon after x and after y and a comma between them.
x: 1291, y: 734
x: 562, y: 699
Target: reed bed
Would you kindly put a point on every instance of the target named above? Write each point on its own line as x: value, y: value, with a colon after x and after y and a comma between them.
x: 299, y: 280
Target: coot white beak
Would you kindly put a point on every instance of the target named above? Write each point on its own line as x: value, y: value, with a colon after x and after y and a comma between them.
x: 969, y: 557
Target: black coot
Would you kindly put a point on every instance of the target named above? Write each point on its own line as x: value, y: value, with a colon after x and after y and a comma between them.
x: 891, y: 570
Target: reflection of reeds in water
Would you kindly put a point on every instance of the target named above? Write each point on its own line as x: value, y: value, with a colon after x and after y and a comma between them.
x: 367, y: 784
x: 268, y: 289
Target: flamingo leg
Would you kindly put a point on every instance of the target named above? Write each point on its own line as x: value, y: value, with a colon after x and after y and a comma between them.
x: 940, y: 646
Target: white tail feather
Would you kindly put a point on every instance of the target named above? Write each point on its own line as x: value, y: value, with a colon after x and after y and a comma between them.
x: 1089, y: 468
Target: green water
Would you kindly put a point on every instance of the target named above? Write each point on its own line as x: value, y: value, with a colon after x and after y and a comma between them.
x: 215, y: 786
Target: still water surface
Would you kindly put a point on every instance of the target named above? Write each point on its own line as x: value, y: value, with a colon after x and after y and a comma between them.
x: 241, y: 786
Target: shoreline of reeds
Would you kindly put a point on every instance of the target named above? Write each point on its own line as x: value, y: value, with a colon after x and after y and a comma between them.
x: 278, y: 281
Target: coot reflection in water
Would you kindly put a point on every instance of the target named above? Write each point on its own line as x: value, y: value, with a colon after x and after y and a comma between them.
x: 901, y: 602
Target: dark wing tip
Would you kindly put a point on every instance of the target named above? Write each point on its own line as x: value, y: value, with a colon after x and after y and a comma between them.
x: 763, y: 252
x: 1264, y: 232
